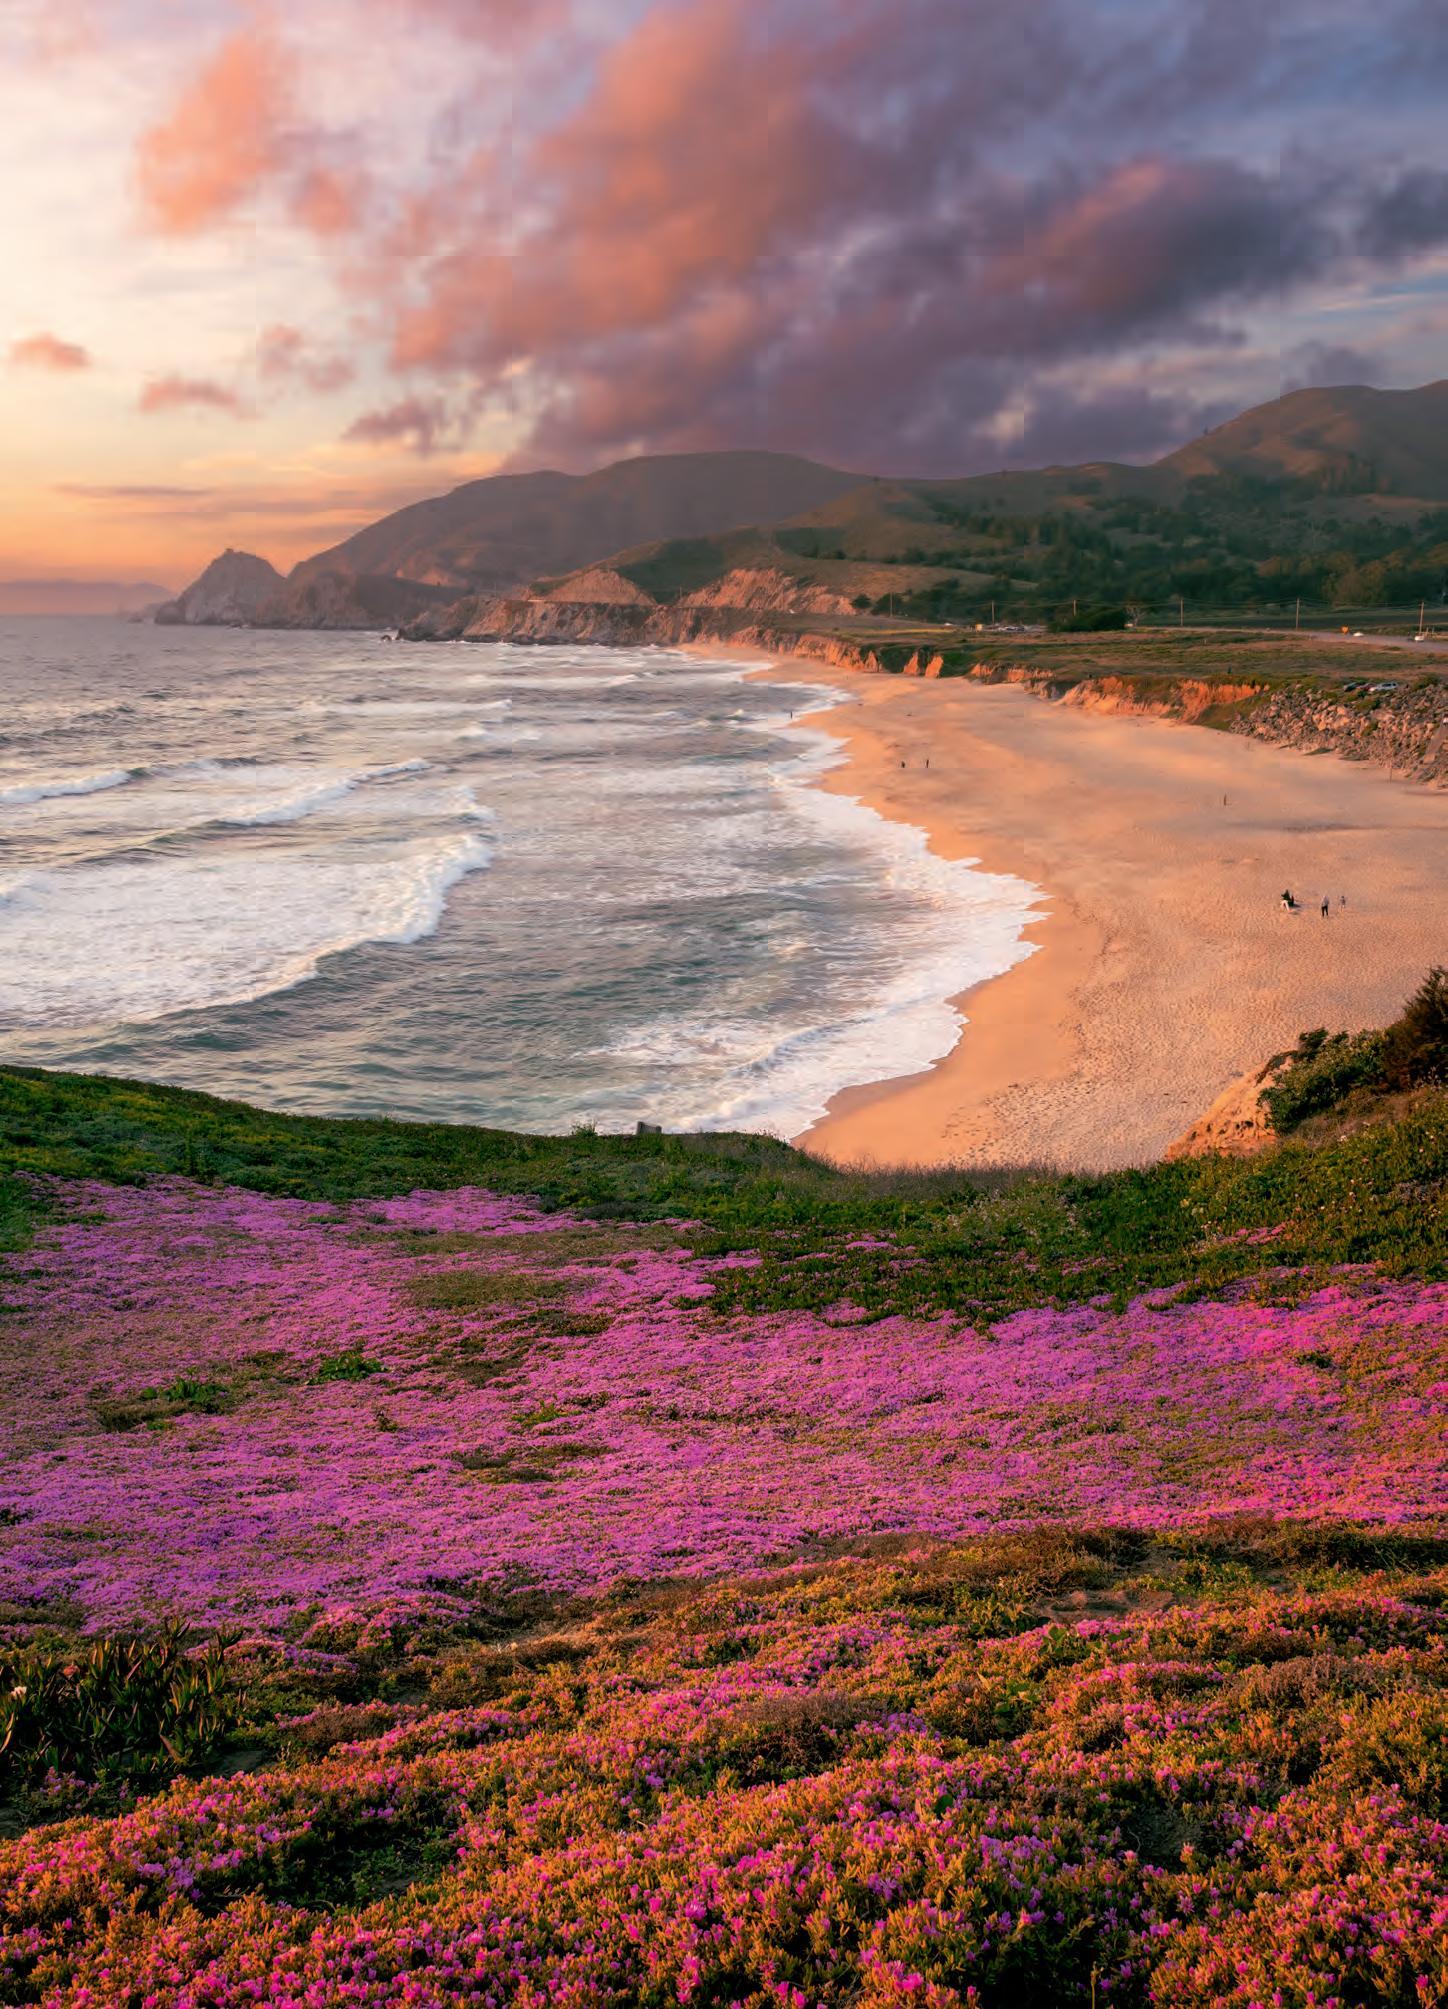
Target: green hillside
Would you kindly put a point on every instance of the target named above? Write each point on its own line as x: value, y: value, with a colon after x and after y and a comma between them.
x: 1027, y: 550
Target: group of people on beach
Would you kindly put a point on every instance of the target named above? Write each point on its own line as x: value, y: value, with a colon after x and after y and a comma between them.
x: 1293, y: 905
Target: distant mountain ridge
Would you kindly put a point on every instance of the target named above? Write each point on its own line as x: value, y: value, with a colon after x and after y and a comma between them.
x: 80, y: 596
x: 510, y: 528
x: 764, y: 530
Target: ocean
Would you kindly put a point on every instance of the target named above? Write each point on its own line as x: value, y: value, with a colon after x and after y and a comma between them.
x: 533, y: 887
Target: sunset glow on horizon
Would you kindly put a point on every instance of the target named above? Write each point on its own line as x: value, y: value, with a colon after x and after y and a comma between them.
x: 272, y: 273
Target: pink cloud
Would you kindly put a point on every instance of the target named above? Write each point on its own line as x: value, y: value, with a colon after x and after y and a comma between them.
x: 285, y: 354
x: 415, y: 422
x: 49, y: 352
x: 489, y: 21
x: 240, y: 131
x: 48, y: 31
x: 329, y: 201
x: 702, y: 150
x: 177, y: 393
x: 225, y: 137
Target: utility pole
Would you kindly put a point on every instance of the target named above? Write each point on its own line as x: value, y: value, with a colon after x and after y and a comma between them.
x: 1298, y: 622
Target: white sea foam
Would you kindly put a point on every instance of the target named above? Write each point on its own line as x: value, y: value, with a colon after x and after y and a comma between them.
x: 287, y: 805
x: 541, y: 678
x: 487, y: 720
x: 961, y: 927
x: 303, y: 792
x: 168, y: 802
x: 65, y: 784
x: 134, y: 940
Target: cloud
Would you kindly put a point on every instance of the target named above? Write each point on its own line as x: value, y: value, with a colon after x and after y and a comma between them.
x: 49, y: 352
x: 1409, y: 215
x: 329, y: 201
x: 353, y: 503
x: 719, y: 138
x: 416, y: 422
x: 176, y: 393
x: 1063, y: 427
x: 765, y: 225
x: 47, y: 31
x: 869, y: 230
x: 128, y: 491
x: 1311, y: 365
x: 488, y: 21
x: 285, y: 354
x: 903, y: 355
x: 1152, y: 241
x: 224, y: 137
x: 239, y: 131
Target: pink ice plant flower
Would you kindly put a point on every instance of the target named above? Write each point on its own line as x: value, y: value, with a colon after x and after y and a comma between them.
x: 640, y: 1436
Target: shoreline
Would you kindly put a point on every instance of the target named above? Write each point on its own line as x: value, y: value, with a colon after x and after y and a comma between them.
x: 1162, y: 967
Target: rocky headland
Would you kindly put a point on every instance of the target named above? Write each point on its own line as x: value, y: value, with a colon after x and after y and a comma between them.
x: 230, y: 593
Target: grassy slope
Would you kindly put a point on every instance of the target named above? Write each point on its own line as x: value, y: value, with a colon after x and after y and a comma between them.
x: 994, y: 1242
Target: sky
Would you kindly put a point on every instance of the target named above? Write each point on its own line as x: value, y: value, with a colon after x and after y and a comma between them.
x: 271, y: 271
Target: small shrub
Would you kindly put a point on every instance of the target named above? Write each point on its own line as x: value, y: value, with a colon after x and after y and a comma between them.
x: 540, y: 1413
x: 1415, y: 1046
x: 360, y: 1863
x: 1092, y: 621
x: 577, y: 1324
x: 1322, y: 1072
x: 154, y: 1408
x: 353, y: 1365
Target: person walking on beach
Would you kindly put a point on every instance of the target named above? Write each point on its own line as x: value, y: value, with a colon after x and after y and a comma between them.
x: 1326, y: 907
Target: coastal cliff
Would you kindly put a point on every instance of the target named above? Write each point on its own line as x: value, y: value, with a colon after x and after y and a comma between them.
x: 1401, y: 727
x: 1405, y: 730
x: 768, y: 618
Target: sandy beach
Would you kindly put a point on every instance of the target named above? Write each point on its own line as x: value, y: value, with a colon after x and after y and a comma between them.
x: 1165, y: 966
